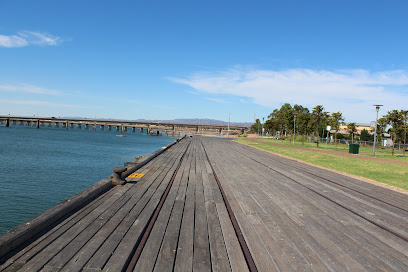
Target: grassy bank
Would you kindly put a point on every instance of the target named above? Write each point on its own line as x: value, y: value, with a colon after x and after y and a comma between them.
x: 364, y: 150
x: 391, y: 174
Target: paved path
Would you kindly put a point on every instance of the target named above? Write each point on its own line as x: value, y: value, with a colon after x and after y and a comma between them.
x: 173, y: 217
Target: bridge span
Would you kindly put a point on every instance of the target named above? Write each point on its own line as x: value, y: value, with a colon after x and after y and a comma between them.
x: 150, y: 127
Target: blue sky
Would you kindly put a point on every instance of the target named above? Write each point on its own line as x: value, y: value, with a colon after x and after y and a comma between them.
x: 201, y: 59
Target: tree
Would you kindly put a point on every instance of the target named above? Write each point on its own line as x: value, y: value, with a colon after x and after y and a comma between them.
x: 352, y: 129
x: 336, y: 120
x: 394, y: 119
x: 381, y: 126
x: 302, y: 121
x: 256, y: 126
x: 316, y: 119
x: 404, y: 113
x: 365, y: 136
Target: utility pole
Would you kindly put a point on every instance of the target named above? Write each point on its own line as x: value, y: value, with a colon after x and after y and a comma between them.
x: 263, y: 121
x: 294, y: 128
x: 377, y: 107
x: 229, y: 120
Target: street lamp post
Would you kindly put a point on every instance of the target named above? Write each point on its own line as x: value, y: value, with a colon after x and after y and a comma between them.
x: 377, y: 107
x: 229, y: 120
x: 263, y: 120
x: 294, y: 129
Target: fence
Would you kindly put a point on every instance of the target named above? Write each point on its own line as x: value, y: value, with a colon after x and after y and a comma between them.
x: 397, y: 146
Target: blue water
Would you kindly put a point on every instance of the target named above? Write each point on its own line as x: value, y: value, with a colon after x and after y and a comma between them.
x: 41, y: 167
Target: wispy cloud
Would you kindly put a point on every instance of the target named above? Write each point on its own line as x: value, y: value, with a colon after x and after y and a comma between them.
x: 26, y: 38
x: 42, y: 103
x: 349, y: 91
x: 27, y: 88
x: 217, y: 100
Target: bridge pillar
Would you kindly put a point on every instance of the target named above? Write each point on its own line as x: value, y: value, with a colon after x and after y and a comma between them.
x: 94, y: 127
x: 148, y: 130
x: 49, y: 124
x: 242, y: 131
x: 7, y: 122
x: 79, y: 126
x: 71, y: 125
x: 102, y: 127
x: 124, y: 128
x: 197, y: 129
x: 38, y: 124
x: 109, y: 127
x: 86, y: 126
x: 56, y: 124
x: 173, y: 128
x: 141, y: 130
x: 220, y: 131
x: 117, y: 128
x: 133, y: 129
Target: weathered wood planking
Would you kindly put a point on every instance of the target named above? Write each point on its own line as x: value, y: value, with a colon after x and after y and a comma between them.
x: 293, y: 217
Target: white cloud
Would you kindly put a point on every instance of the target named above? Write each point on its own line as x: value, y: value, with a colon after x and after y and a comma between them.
x: 41, y: 103
x: 352, y: 92
x: 217, y: 100
x: 25, y: 38
x: 29, y: 89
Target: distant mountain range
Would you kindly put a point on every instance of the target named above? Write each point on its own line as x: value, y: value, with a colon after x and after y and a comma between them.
x: 196, y: 121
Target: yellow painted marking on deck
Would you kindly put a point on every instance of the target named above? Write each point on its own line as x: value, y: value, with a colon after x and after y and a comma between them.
x: 136, y: 175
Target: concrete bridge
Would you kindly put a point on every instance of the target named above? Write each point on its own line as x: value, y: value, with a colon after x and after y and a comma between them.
x: 154, y: 128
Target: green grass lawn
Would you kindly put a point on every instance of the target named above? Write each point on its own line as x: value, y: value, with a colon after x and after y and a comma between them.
x: 392, y: 174
x: 364, y: 150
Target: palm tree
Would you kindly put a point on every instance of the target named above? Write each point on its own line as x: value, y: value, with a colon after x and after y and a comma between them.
x: 336, y: 120
x: 316, y: 119
x: 352, y: 129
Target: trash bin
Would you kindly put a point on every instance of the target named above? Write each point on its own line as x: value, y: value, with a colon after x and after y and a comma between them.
x: 353, y: 148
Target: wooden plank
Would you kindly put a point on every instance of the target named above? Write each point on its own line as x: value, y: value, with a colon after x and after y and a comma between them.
x: 167, y: 254
x: 27, y: 230
x: 202, y: 257
x: 38, y: 261
x: 262, y: 259
x: 124, y: 246
x: 33, y: 248
x: 219, y: 255
x: 116, y: 224
x: 314, y: 212
x: 148, y: 257
x: 184, y: 255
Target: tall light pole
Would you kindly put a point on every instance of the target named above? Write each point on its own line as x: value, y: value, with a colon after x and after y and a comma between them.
x: 377, y: 107
x: 229, y: 120
x: 294, y: 128
x: 263, y: 120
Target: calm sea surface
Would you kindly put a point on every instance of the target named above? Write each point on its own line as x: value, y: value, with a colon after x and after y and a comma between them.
x: 41, y: 167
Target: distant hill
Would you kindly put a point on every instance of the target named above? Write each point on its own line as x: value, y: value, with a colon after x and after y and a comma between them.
x: 198, y: 121
x: 195, y: 121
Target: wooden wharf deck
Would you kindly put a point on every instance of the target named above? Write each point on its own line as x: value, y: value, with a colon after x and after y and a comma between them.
x: 173, y: 217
